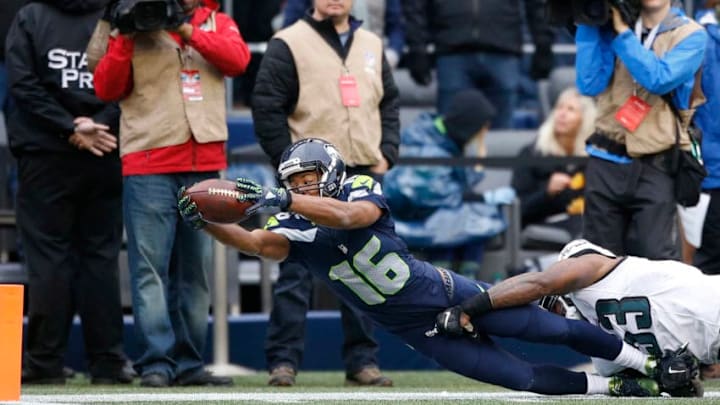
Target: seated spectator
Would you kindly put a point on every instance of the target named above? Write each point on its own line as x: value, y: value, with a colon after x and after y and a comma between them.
x: 554, y: 195
x: 426, y: 201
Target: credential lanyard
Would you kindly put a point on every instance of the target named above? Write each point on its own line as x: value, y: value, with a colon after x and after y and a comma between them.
x: 647, y: 44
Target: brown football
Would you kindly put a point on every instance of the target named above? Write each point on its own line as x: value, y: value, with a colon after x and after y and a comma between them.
x: 216, y: 200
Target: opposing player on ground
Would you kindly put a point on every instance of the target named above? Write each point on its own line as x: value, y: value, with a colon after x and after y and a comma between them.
x: 342, y: 230
x: 656, y: 305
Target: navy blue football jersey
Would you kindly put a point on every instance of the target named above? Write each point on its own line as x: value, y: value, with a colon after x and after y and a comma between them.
x: 369, y: 268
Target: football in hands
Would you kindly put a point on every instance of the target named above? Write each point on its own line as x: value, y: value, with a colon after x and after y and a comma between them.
x: 216, y: 199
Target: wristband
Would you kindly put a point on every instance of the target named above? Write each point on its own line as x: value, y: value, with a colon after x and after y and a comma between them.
x: 477, y: 305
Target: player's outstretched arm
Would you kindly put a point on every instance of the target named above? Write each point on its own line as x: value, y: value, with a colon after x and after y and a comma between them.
x: 561, y: 278
x: 335, y: 213
x: 257, y: 242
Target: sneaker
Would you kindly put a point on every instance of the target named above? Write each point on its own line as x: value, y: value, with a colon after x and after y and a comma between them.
x: 633, y: 387
x: 30, y: 376
x: 370, y: 375
x: 282, y: 376
x: 203, y: 377
x: 155, y: 380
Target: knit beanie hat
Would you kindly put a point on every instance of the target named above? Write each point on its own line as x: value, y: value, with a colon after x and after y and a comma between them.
x: 468, y: 112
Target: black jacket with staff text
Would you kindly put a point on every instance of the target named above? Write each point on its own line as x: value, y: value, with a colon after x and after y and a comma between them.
x: 48, y: 76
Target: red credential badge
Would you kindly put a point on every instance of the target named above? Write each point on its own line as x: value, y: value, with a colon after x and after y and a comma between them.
x: 349, y: 91
x: 632, y: 113
x: 191, y: 89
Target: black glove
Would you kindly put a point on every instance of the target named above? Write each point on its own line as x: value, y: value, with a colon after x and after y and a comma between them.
x: 188, y: 210
x: 262, y: 197
x: 676, y: 369
x: 418, y: 62
x: 448, y: 321
x: 542, y: 62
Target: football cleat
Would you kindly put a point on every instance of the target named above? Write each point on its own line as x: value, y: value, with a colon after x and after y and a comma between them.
x: 633, y: 387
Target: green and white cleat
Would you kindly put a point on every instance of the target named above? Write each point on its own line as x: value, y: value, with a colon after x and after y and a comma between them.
x: 633, y: 387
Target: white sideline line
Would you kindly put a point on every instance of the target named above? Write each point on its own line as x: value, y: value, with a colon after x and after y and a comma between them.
x: 304, y: 397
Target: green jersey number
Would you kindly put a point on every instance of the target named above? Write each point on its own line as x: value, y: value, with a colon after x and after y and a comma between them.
x: 369, y: 280
x: 636, y: 308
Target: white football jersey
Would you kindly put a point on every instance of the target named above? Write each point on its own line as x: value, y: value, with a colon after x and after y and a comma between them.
x: 657, y: 306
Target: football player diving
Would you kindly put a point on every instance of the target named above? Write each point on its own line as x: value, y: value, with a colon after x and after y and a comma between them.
x: 656, y: 305
x: 342, y: 230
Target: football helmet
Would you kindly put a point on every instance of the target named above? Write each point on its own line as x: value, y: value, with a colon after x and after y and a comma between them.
x: 580, y: 247
x: 318, y: 155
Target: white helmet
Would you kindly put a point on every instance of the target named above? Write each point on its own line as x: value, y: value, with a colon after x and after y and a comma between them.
x: 579, y: 247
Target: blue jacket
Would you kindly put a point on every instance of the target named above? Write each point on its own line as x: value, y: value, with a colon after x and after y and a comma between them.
x: 426, y: 201
x: 394, y: 30
x: 598, y: 47
x: 707, y: 116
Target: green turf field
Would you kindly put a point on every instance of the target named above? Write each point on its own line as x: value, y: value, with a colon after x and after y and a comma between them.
x: 327, y: 388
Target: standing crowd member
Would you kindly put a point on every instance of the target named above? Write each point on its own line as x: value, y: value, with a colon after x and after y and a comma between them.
x: 630, y: 203
x: 342, y: 230
x: 426, y: 200
x: 70, y: 191
x: 173, y: 129
x: 707, y: 257
x: 325, y: 77
x: 478, y: 45
x: 554, y: 195
x: 626, y: 296
x: 381, y: 17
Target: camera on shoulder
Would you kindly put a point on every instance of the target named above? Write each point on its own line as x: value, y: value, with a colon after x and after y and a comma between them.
x: 147, y: 15
x: 591, y: 12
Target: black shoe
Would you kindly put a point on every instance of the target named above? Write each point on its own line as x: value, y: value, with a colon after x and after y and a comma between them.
x: 35, y: 377
x: 203, y: 377
x: 155, y: 380
x: 121, y: 377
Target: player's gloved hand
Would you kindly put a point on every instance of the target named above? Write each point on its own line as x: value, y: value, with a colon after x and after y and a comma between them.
x: 188, y: 210
x: 676, y: 369
x: 262, y: 197
x: 499, y: 196
x: 449, y: 322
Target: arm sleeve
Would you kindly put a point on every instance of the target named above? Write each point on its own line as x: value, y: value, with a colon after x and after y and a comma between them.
x: 24, y: 83
x: 294, y: 10
x: 542, y: 34
x: 416, y: 23
x: 389, y: 115
x: 110, y: 116
x: 113, y: 74
x: 394, y: 26
x: 660, y: 75
x: 595, y: 60
x: 224, y: 48
x: 274, y: 98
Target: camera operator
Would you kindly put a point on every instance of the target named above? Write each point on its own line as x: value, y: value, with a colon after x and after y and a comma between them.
x: 173, y: 129
x: 630, y: 201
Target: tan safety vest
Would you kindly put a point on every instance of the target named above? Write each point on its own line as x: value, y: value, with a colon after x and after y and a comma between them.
x: 156, y: 114
x: 355, y: 131
x: 657, y: 131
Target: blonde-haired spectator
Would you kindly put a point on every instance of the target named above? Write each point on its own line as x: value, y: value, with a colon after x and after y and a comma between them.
x: 553, y: 194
